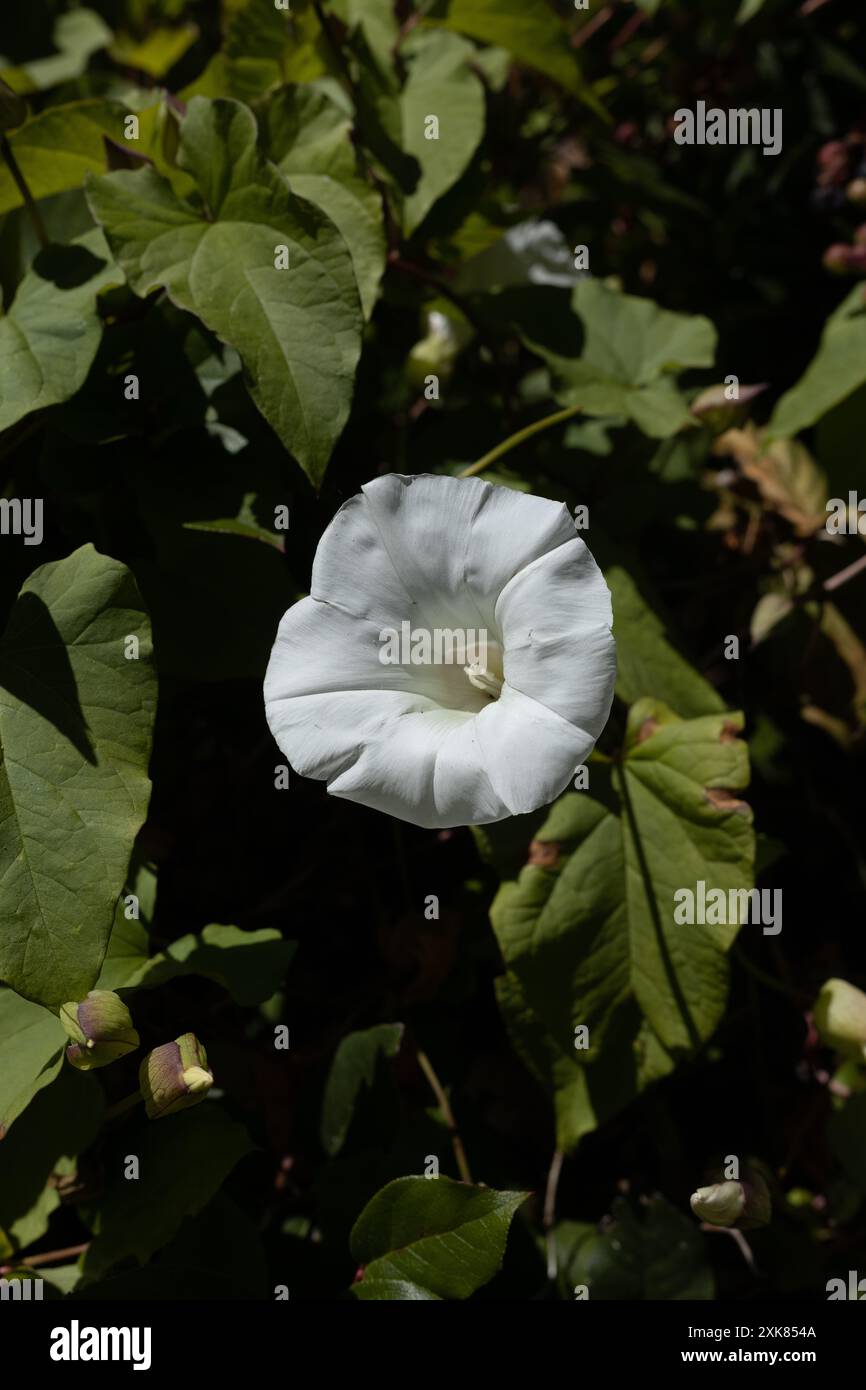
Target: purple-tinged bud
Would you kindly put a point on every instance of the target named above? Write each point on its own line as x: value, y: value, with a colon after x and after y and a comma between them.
x: 837, y: 258
x: 718, y: 410
x: 174, y: 1076
x: 100, y: 1029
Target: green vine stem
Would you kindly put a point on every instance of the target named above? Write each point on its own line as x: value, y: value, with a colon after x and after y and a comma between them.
x: 445, y: 1106
x: 514, y: 440
x: 21, y: 184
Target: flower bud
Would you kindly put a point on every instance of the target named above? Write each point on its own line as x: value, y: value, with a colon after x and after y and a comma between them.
x: 722, y: 1204
x: 799, y: 1198
x: 856, y: 191
x: 742, y: 1204
x: 837, y: 258
x: 100, y: 1029
x: 840, y: 1017
x: 718, y: 411
x: 174, y: 1076
x: 435, y: 353
x: 831, y: 155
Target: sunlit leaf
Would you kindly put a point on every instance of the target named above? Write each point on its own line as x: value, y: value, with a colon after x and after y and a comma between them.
x: 77, y: 701
x: 429, y: 1239
x: 298, y: 328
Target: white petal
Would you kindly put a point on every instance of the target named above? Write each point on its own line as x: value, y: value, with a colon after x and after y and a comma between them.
x: 511, y: 530
x: 573, y: 675
x: 320, y: 649
x: 436, y: 768
x: 555, y: 619
x: 396, y: 752
x: 409, y: 547
x: 325, y: 735
x: 426, y: 768
x: 529, y: 752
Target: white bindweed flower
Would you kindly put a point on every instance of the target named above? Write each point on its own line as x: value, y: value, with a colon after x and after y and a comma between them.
x: 499, y: 731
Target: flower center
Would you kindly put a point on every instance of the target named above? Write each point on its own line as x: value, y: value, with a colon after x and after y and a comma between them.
x: 486, y: 674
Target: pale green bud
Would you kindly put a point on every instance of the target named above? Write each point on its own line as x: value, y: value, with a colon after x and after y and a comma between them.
x: 741, y: 1204
x: 721, y: 1205
x: 840, y: 1017
x: 445, y: 336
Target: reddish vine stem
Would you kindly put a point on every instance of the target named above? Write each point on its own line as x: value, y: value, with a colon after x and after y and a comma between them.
x: 53, y: 1257
x: 587, y: 30
x: 628, y: 30
x: 429, y: 277
x: 837, y: 580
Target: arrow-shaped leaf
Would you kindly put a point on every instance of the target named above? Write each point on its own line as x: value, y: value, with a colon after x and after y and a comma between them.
x: 590, y: 924
x: 297, y: 327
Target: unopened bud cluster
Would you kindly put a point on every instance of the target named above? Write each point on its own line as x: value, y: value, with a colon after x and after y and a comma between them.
x: 841, y: 183
x: 172, y: 1077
